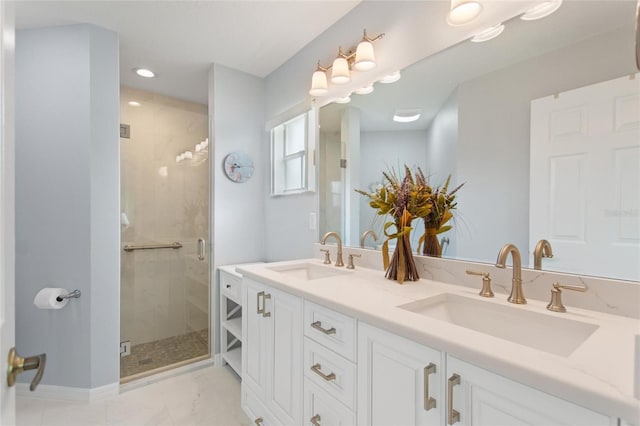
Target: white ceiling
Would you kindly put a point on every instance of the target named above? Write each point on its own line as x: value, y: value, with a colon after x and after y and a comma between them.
x: 179, y: 40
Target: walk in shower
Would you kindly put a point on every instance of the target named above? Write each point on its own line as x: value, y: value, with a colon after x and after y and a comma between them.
x: 164, y: 172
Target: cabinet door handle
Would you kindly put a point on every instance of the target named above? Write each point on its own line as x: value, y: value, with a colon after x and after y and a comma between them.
x: 318, y: 326
x: 452, y: 415
x: 258, y: 421
x: 315, y: 420
x: 265, y: 297
x: 259, y: 295
x: 201, y: 249
x: 328, y: 377
x: 429, y: 402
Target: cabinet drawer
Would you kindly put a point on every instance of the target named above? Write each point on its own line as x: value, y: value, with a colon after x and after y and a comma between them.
x: 230, y: 286
x: 255, y: 410
x: 323, y: 409
x: 331, y: 372
x: 332, y: 329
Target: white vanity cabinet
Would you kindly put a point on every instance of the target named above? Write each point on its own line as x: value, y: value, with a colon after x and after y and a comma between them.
x: 272, y: 354
x: 478, y: 397
x: 399, y: 381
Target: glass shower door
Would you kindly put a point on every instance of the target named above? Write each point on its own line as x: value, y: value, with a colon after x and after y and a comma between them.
x: 165, y: 228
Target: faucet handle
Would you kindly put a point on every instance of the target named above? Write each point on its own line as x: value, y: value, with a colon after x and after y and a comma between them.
x: 327, y: 256
x: 350, y: 264
x: 486, y: 282
x: 555, y: 304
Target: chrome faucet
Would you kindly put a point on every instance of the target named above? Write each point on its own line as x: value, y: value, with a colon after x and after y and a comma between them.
x: 364, y: 236
x: 516, y: 296
x: 339, y: 261
x: 543, y: 249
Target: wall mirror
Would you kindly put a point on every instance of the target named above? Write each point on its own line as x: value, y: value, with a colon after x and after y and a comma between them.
x: 475, y: 102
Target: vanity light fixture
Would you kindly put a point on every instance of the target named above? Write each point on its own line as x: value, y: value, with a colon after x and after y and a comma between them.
x: 360, y: 58
x: 365, y: 90
x: 144, y: 72
x: 134, y: 103
x: 463, y: 11
x: 391, y: 78
x: 541, y: 10
x: 344, y: 100
x: 488, y: 34
x: 407, y: 115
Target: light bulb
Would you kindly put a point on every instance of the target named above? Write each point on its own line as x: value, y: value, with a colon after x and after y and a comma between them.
x: 488, y: 34
x: 541, y: 10
x: 365, y: 90
x: 143, y: 72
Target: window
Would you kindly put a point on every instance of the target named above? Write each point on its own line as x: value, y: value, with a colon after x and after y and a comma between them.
x: 290, y: 156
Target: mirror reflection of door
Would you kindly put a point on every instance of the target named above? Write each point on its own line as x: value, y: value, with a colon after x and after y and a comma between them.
x: 585, y: 164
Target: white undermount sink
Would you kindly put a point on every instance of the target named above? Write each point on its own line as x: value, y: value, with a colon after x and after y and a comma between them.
x: 308, y: 271
x: 549, y: 333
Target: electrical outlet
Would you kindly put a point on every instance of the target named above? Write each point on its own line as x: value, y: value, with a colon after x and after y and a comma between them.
x: 125, y: 348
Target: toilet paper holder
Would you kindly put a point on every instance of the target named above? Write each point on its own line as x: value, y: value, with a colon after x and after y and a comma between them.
x: 73, y: 295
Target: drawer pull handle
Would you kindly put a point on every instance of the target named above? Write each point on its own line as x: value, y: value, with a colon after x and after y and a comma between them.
x: 258, y: 421
x: 315, y: 420
x: 453, y: 415
x: 265, y: 314
x: 318, y: 326
x: 328, y: 377
x: 429, y: 402
x: 258, y: 296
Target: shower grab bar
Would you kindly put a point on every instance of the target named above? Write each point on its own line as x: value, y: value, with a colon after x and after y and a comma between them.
x: 132, y: 247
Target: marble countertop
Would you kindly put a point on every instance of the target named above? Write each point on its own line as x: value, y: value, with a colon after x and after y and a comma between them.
x: 598, y: 374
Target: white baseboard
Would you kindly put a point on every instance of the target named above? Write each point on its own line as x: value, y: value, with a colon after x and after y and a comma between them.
x: 166, y: 374
x: 66, y: 393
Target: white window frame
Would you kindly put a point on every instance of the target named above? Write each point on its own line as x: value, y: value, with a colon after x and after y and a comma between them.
x: 279, y: 157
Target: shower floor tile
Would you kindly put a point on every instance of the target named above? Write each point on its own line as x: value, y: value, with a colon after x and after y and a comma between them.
x: 164, y: 352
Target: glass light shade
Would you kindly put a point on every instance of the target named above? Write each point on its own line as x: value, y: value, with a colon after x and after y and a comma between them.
x: 542, y: 10
x: 340, y: 71
x: 463, y: 11
x: 488, y: 34
x: 391, y: 78
x: 365, y: 56
x: 319, y: 85
x: 365, y: 90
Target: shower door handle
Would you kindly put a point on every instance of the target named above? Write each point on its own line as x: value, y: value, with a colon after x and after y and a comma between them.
x: 201, y: 249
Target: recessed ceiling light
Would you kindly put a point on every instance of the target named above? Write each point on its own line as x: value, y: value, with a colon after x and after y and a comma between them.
x: 542, y: 10
x: 463, y: 11
x: 391, y: 78
x: 407, y: 115
x: 344, y: 100
x: 143, y: 72
x: 488, y: 34
x: 134, y: 103
x: 365, y: 90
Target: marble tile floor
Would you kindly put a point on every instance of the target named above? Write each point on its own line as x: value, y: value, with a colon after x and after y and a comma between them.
x: 209, y: 396
x: 160, y: 353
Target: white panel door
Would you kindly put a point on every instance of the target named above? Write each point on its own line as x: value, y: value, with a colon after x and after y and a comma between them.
x: 484, y: 398
x: 585, y: 178
x: 7, y: 313
x: 396, y: 379
x: 284, y: 395
x: 254, y: 334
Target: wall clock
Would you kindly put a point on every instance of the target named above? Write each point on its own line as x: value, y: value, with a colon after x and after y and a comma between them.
x: 238, y: 166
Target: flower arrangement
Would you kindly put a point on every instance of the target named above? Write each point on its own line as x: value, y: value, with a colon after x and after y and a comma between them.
x: 403, y: 199
x: 442, y: 204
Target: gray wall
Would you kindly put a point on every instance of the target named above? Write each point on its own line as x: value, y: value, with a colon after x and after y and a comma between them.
x: 442, y: 148
x: 67, y: 203
x: 493, y: 144
x: 238, y: 220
